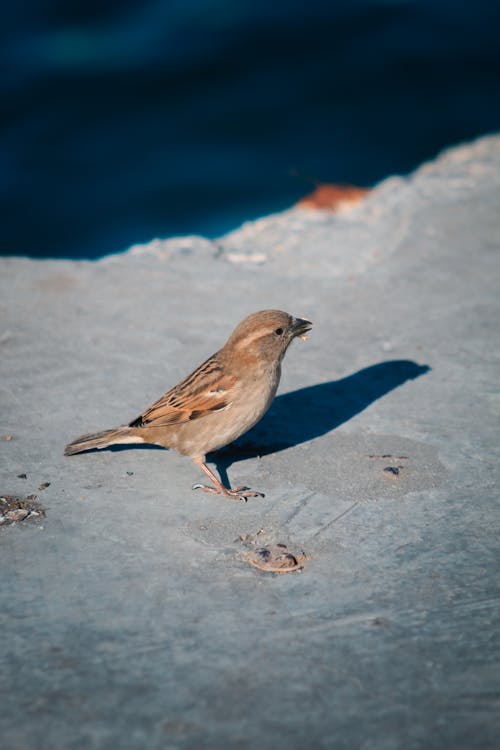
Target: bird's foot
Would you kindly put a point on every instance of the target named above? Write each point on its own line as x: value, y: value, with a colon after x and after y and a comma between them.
x: 239, y: 493
x: 242, y: 493
x: 217, y: 488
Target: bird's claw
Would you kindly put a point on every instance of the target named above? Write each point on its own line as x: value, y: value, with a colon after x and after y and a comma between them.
x: 205, y: 488
x: 239, y: 493
x: 243, y: 493
x: 247, y: 492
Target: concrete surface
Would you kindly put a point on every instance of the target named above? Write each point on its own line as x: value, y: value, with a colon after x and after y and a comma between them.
x: 129, y: 618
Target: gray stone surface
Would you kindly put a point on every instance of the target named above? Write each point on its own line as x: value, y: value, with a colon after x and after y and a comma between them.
x: 129, y: 618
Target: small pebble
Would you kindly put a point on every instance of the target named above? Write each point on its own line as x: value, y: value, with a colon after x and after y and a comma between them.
x: 19, y: 514
x: 14, y: 508
x: 380, y: 622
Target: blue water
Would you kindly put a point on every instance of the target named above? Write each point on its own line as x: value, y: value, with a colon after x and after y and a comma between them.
x: 123, y: 121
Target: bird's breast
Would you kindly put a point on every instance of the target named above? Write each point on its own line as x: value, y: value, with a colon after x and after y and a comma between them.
x: 250, y: 398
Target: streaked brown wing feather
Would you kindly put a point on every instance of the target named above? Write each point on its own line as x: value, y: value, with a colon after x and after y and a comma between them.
x: 206, y: 390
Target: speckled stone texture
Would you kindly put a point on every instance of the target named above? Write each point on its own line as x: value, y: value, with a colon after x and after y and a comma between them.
x: 129, y: 616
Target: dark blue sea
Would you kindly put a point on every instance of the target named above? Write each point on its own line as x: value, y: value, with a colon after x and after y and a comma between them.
x: 122, y: 121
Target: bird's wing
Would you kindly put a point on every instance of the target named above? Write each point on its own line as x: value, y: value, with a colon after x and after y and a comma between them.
x: 206, y: 390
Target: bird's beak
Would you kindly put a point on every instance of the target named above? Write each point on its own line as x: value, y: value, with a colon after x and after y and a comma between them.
x: 300, y: 327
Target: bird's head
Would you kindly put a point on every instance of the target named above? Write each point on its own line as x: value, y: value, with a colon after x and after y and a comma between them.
x: 267, y: 334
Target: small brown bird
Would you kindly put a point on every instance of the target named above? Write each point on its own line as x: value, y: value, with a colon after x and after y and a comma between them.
x: 223, y: 398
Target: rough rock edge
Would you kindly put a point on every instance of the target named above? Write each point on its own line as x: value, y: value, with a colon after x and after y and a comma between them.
x: 289, y: 237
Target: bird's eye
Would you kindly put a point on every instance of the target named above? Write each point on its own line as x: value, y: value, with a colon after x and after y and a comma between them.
x: 278, y: 331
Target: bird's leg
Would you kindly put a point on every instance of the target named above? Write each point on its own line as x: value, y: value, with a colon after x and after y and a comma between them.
x: 239, y: 493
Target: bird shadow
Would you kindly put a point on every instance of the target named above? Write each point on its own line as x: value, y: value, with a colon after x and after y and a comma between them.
x: 307, y: 413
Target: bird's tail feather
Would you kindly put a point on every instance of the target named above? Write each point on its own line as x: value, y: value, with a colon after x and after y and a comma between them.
x: 102, y: 439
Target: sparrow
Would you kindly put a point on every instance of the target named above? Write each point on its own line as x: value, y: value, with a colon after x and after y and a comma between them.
x: 222, y: 399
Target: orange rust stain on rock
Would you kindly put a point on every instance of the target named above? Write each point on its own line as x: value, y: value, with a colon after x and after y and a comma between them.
x: 329, y: 197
